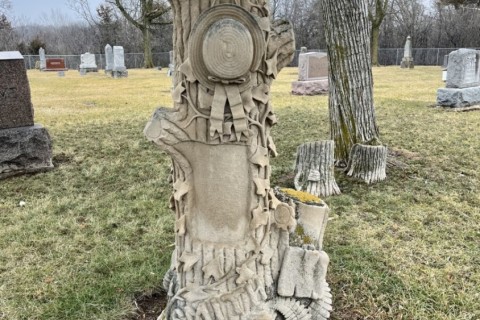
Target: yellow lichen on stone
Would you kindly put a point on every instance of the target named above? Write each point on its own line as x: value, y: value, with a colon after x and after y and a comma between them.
x: 301, y: 196
x: 301, y: 234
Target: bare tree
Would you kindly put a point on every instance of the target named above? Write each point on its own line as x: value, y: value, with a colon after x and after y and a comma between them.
x: 5, y: 6
x: 377, y: 12
x: 352, y: 114
x: 145, y: 15
x: 460, y: 3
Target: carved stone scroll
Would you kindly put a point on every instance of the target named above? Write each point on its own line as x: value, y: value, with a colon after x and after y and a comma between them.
x: 232, y: 234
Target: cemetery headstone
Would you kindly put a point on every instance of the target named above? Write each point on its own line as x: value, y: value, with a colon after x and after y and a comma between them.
x: 463, y: 80
x: 303, y: 50
x: 444, y: 68
x: 239, y: 252
x: 25, y: 146
x: 88, y: 63
x: 43, y: 61
x: 312, y: 74
x: 119, y: 70
x: 108, y: 59
x: 407, y: 61
x: 55, y: 64
x: 171, y: 65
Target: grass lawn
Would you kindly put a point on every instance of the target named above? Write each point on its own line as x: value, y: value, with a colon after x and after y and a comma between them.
x: 96, y: 232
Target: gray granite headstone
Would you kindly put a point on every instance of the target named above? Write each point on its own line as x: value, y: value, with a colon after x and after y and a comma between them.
x: 312, y: 66
x: 303, y: 50
x: 43, y: 60
x: 463, y: 69
x: 108, y: 58
x: 15, y: 102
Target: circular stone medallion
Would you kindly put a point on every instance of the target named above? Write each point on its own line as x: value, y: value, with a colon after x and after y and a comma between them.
x: 226, y: 44
x: 228, y: 49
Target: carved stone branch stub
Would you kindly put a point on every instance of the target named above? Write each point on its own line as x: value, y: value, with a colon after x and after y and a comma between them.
x: 232, y: 234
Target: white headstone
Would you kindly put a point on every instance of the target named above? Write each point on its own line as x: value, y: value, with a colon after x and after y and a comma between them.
x: 43, y: 61
x: 88, y: 61
x: 118, y: 59
x: 407, y: 61
x: 108, y: 57
x: 407, y: 53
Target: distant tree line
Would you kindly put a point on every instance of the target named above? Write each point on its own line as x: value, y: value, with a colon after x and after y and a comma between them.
x: 145, y: 26
x: 99, y: 26
x: 431, y: 24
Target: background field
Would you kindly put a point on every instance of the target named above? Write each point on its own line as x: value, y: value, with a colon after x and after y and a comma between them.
x: 96, y: 233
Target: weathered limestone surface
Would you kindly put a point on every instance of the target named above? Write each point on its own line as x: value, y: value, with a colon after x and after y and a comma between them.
x: 24, y: 150
x: 232, y: 234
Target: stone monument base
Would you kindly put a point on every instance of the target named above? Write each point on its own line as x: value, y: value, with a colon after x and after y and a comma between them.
x: 407, y: 64
x: 25, y: 150
x: 310, y: 87
x: 119, y: 74
x: 458, y: 98
x: 84, y: 71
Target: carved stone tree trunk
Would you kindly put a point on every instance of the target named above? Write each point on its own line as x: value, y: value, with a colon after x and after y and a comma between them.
x: 232, y: 257
x: 352, y: 113
x: 315, y: 169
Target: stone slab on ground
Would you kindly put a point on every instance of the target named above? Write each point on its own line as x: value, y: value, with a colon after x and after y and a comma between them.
x: 25, y: 150
x: 458, y: 98
x: 310, y: 88
x: 16, y: 108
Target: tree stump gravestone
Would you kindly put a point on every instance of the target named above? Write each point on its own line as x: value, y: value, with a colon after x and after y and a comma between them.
x: 233, y: 258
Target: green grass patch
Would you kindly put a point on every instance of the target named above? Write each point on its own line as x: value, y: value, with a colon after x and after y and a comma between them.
x: 97, y: 230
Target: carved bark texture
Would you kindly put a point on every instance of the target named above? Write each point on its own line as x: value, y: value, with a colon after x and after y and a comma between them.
x: 231, y: 233
x: 352, y: 112
x: 368, y: 163
x: 315, y: 169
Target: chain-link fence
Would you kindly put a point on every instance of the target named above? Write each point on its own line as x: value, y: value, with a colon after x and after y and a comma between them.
x: 132, y: 60
x: 386, y: 57
x: 393, y: 57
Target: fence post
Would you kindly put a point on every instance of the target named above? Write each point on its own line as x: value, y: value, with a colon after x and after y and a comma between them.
x: 438, y: 55
x: 396, y: 59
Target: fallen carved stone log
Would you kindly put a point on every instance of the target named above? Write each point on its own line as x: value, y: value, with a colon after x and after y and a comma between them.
x: 314, y: 169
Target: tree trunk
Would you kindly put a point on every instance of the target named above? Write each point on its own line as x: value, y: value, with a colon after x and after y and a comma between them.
x: 147, y: 49
x: 375, y: 43
x: 352, y: 113
x: 315, y: 167
x: 368, y: 163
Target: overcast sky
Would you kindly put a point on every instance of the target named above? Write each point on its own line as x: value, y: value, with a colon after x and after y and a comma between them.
x: 37, y: 10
